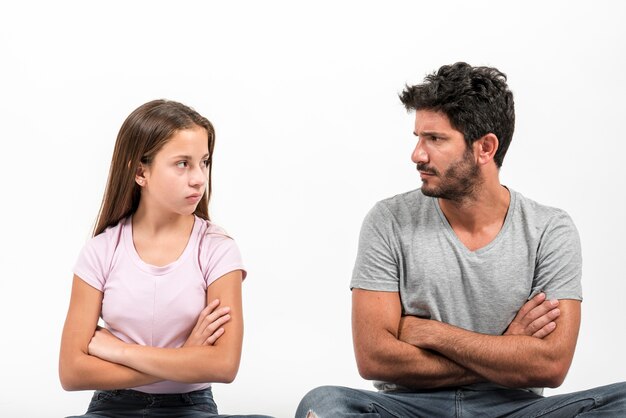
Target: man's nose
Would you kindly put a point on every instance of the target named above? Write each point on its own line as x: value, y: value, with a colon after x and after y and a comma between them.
x: 419, y: 153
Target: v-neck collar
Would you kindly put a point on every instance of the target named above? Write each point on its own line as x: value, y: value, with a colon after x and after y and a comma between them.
x: 452, y: 235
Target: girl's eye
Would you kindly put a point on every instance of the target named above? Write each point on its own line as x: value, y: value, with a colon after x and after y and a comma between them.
x: 181, y: 164
x: 205, y: 163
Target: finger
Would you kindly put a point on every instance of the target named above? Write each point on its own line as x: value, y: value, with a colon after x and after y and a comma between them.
x: 213, y: 337
x: 215, y: 325
x: 531, y: 304
x: 214, y: 316
x: 203, y: 314
x: 545, y: 330
x: 543, y: 309
x: 207, y: 316
x: 542, y: 321
x: 210, y: 307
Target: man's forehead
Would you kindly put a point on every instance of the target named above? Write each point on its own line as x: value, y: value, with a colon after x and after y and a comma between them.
x: 429, y: 121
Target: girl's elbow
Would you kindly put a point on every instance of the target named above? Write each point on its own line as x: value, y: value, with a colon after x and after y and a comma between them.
x: 68, y: 380
x: 229, y: 371
x: 223, y: 371
x: 228, y: 376
x: 72, y: 373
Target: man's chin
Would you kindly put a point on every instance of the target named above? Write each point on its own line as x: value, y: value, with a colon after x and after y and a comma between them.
x: 430, y: 191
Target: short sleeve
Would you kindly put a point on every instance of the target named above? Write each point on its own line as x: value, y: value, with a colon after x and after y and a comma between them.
x: 376, y: 266
x: 219, y: 255
x: 93, y: 262
x: 558, y: 269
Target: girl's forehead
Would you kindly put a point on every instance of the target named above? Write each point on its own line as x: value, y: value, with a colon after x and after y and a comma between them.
x: 193, y: 141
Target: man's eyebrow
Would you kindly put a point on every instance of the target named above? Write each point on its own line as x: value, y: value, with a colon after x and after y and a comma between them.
x: 431, y: 133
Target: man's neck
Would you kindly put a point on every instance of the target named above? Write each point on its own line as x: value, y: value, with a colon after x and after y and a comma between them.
x: 477, y: 219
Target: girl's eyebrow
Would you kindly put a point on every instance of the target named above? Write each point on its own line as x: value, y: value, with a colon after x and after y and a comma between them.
x: 187, y: 157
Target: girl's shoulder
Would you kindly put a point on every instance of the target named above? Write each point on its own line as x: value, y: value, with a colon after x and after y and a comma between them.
x: 96, y: 257
x: 108, y: 240
x: 210, y: 230
x: 217, y: 250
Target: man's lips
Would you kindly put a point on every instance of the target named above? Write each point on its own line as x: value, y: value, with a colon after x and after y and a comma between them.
x: 425, y: 172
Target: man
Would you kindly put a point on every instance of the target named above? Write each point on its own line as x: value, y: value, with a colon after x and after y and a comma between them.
x: 466, y: 295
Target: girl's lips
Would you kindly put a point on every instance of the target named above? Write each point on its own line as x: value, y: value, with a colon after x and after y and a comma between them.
x: 194, y: 197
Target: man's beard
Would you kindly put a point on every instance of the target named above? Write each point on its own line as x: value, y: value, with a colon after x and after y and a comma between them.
x: 459, y: 181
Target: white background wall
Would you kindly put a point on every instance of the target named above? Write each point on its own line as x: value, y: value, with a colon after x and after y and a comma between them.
x: 310, y: 134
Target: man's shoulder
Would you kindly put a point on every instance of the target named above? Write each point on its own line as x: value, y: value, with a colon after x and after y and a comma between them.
x: 407, y: 202
x: 533, y: 212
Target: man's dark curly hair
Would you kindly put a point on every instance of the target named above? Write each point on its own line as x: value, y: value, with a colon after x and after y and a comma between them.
x: 476, y: 100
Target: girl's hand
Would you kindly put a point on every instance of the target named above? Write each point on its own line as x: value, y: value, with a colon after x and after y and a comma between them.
x: 209, y: 326
x: 106, y: 346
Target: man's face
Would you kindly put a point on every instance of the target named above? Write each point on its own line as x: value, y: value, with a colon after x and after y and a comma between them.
x: 447, y: 167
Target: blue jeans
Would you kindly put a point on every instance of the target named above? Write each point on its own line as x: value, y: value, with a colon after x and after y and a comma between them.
x: 131, y: 403
x: 337, y: 402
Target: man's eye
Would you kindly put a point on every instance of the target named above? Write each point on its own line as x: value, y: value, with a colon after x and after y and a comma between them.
x: 181, y: 164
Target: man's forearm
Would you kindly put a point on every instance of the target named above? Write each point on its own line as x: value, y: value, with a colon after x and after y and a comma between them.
x: 515, y: 361
x: 430, y: 370
x: 390, y: 360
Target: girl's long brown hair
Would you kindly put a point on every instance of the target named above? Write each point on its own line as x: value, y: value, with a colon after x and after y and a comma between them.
x: 142, y: 135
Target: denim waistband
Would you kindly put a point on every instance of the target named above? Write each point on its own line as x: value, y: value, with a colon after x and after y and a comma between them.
x: 151, y: 397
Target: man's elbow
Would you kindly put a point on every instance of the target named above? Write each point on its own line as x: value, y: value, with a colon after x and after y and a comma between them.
x: 368, y: 367
x: 366, y: 371
x: 551, y: 375
x: 556, y: 375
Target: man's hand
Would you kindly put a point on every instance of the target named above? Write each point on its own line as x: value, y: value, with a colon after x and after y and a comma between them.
x: 536, y: 318
x: 412, y: 329
x: 208, y: 328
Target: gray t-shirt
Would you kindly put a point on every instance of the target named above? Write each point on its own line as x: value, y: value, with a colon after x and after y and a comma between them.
x: 406, y: 245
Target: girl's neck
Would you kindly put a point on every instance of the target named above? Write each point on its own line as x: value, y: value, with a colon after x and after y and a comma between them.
x: 153, y: 224
x: 161, y: 240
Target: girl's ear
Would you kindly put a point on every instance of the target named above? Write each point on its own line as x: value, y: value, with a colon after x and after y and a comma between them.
x: 140, y: 177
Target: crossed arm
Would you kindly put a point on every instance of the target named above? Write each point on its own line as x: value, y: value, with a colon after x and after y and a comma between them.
x: 93, y: 358
x: 536, y: 350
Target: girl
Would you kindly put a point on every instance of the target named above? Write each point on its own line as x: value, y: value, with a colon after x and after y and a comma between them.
x: 165, y: 280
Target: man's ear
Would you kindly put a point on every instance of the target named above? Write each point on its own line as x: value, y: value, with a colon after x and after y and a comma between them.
x: 486, y: 148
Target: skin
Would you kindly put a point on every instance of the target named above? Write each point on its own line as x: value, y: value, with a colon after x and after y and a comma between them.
x: 538, y: 346
x: 93, y: 358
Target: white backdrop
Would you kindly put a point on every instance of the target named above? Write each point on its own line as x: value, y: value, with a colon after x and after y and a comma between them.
x: 310, y: 134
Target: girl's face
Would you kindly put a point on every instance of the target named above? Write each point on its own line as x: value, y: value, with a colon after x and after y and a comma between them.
x: 176, y: 179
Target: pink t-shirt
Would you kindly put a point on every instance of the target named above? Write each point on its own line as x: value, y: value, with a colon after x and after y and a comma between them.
x: 150, y: 305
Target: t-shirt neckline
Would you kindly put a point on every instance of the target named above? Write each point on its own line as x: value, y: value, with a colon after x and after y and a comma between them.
x: 497, y: 238
x: 127, y: 234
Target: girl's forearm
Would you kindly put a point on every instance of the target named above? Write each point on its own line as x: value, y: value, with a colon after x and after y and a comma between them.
x: 86, y: 372
x: 196, y: 364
